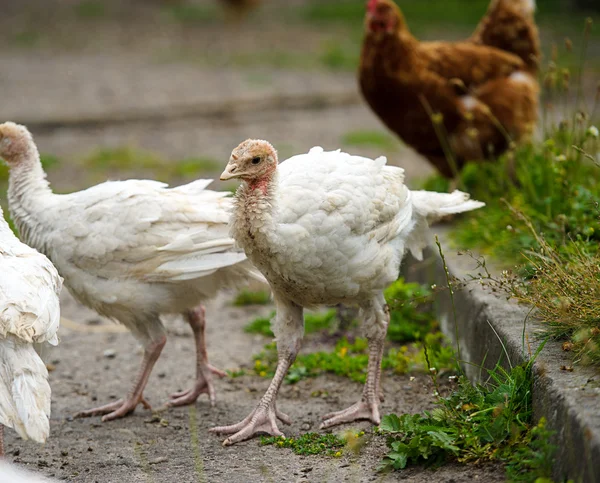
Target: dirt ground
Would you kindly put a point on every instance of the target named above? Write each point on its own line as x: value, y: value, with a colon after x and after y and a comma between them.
x: 176, y: 445
x: 130, y: 75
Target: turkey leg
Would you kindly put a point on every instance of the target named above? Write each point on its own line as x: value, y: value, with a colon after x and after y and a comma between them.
x: 264, y: 418
x: 368, y: 406
x: 123, y: 407
x: 288, y: 327
x: 204, y: 385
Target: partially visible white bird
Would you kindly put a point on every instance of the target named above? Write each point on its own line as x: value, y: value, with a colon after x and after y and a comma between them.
x: 29, y: 314
x: 13, y: 474
x: 327, y: 228
x: 131, y: 250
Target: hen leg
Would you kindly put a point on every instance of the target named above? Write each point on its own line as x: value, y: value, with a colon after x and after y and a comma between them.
x: 203, y: 385
x: 376, y: 322
x: 288, y: 329
x: 152, y: 333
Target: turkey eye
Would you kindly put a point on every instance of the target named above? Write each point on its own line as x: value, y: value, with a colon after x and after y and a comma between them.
x: 255, y: 160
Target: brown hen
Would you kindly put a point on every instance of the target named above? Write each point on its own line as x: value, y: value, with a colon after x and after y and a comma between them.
x: 453, y: 101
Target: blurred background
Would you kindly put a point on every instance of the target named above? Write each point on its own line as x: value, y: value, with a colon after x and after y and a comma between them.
x: 165, y: 89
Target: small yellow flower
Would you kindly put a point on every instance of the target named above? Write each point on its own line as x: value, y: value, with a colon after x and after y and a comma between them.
x: 343, y: 351
x: 338, y: 454
x: 257, y: 364
x: 262, y: 373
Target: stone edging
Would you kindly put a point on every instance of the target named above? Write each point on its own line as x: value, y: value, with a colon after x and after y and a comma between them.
x: 570, y: 401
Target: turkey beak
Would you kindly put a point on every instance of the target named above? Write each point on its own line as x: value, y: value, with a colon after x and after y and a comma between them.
x: 230, y: 172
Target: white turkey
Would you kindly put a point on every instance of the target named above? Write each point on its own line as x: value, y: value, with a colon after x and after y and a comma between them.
x: 29, y: 315
x: 131, y: 250
x: 13, y: 474
x: 326, y: 228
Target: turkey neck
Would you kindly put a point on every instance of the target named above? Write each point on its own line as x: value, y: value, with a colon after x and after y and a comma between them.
x: 29, y: 197
x: 253, y: 216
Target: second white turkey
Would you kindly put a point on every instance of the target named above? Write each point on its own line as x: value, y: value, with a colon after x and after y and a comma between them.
x: 131, y: 250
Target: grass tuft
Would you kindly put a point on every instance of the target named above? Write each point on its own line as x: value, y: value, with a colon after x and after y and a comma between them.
x: 90, y: 9
x: 350, y: 360
x: 310, y: 444
x: 193, y: 14
x: 128, y: 158
x: 371, y: 139
x: 248, y: 297
x: 313, y: 322
x: 476, y: 423
x: 411, y: 317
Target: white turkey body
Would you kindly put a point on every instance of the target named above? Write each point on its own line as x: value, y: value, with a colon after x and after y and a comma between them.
x: 128, y: 245
x: 29, y: 314
x: 327, y: 228
x: 339, y: 226
x: 131, y: 250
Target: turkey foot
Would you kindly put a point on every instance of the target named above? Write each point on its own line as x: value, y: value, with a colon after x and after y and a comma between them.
x: 123, y: 407
x: 115, y: 410
x: 264, y: 418
x: 260, y: 421
x: 368, y: 406
x: 360, y: 410
x: 203, y: 385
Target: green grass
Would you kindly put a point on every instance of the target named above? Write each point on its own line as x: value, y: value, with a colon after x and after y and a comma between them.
x: 350, y: 360
x: 370, y: 139
x: 553, y: 185
x: 247, y: 297
x: 565, y: 290
x: 128, y: 158
x: 190, y: 167
x: 195, y: 14
x: 336, y: 55
x: 476, y: 423
x: 412, y: 324
x: 422, y: 16
x: 542, y: 214
x: 411, y: 317
x: 90, y: 9
x: 26, y: 38
x: 311, y: 443
x: 313, y: 322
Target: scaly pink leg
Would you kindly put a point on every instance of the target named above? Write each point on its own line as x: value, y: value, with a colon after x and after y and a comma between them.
x: 204, y: 384
x: 288, y: 328
x: 122, y: 407
x: 264, y: 418
x: 368, y: 406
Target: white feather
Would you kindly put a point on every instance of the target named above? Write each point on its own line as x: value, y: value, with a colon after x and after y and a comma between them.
x: 131, y: 250
x: 338, y: 227
x: 29, y: 314
x: 12, y: 474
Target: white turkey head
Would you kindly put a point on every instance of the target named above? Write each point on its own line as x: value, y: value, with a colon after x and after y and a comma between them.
x: 252, y: 160
x: 16, y: 143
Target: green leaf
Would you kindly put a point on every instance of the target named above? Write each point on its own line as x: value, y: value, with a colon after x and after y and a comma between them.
x: 390, y: 423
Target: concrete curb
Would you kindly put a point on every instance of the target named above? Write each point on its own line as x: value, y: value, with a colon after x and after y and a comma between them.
x: 570, y: 401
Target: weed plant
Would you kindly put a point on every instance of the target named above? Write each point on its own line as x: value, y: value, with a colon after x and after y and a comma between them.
x: 542, y: 212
